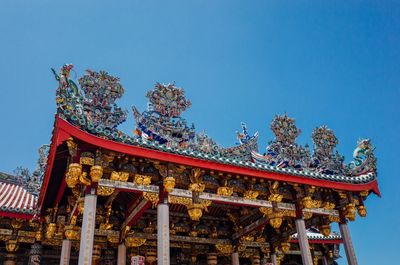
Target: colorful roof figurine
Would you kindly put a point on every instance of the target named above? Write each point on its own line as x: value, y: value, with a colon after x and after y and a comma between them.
x: 162, y: 121
x: 161, y: 127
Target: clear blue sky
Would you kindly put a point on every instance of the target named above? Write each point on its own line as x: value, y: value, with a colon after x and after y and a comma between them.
x: 322, y: 62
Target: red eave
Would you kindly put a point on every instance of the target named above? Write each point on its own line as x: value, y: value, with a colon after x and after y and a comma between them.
x: 63, y: 129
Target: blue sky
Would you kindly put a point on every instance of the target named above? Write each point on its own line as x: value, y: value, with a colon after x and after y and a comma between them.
x: 322, y: 62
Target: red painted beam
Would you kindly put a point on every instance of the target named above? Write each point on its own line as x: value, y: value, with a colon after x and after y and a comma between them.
x: 67, y: 128
x: 16, y: 215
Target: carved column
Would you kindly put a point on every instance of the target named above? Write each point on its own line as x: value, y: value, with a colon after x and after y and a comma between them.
x: 274, y: 259
x: 235, y: 258
x: 34, y: 254
x: 87, y: 231
x: 348, y: 244
x: 65, y: 252
x: 325, y: 261
x: 163, y: 257
x: 303, y: 241
x: 121, y: 254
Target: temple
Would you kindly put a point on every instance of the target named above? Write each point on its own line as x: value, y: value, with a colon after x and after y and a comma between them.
x: 168, y: 194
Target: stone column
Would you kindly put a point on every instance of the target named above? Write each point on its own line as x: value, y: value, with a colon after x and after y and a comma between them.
x: 235, y: 258
x: 34, y: 254
x: 87, y: 231
x: 65, y: 252
x: 303, y: 242
x: 324, y: 260
x: 163, y: 234
x: 274, y: 259
x: 348, y: 244
x: 121, y: 254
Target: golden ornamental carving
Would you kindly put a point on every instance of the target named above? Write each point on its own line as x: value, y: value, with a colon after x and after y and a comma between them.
x: 225, y: 191
x: 119, y: 176
x: 73, y: 174
x: 251, y: 194
x: 16, y: 223
x: 285, y: 247
x: 275, y: 197
x: 275, y: 222
x: 179, y: 200
x: 275, y: 217
x: 38, y: 235
x: 307, y: 215
x: 196, y: 184
x: 12, y: 246
x: 306, y: 202
x: 350, y: 211
x: 143, y: 180
x: 96, y: 172
x: 72, y: 146
x: 315, y: 260
x: 72, y: 232
x: 84, y: 179
x: 316, y: 203
x: 224, y: 248
x: 81, y: 205
x: 265, y: 250
x: 362, y: 210
x: 152, y: 197
x: 197, y: 187
x: 247, y: 238
x: 334, y: 218
x: 86, y: 160
x: 113, y: 239
x: 327, y: 205
x: 325, y: 229
x: 132, y: 241
x: 364, y: 193
x: 195, y: 211
x: 106, y: 226
x: 51, y: 230
x: 169, y: 184
x: 104, y: 191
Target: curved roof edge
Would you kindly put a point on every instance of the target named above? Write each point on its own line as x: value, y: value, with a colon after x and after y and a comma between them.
x: 63, y: 129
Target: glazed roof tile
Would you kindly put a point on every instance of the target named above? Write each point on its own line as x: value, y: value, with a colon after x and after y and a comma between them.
x: 15, y: 198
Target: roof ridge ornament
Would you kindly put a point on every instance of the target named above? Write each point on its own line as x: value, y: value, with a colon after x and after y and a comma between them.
x: 283, y: 151
x: 325, y: 158
x: 92, y: 106
x: 364, y: 159
x: 162, y: 121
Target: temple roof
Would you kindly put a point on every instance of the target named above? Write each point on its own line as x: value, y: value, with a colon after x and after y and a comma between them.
x: 14, y: 198
x: 92, y: 109
x: 314, y: 234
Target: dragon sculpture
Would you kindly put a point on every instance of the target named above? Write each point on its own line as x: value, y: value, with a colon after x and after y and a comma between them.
x: 364, y: 159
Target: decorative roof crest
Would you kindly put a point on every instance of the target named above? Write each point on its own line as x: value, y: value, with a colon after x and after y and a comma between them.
x: 168, y: 100
x: 324, y: 158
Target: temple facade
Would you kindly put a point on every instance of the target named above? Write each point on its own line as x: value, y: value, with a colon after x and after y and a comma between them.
x: 168, y: 194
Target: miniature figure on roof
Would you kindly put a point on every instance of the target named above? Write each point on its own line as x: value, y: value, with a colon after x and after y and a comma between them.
x: 162, y: 121
x: 284, y: 151
x: 324, y: 160
x: 93, y: 106
x: 246, y: 145
x: 365, y: 160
